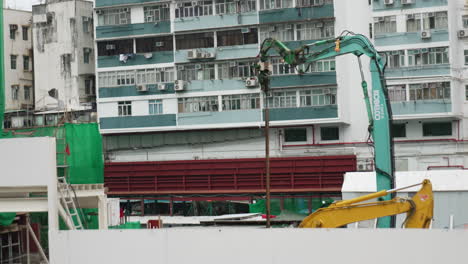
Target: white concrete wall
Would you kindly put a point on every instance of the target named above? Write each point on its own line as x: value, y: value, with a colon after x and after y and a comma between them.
x: 66, y: 37
x: 258, y: 245
x: 18, y: 47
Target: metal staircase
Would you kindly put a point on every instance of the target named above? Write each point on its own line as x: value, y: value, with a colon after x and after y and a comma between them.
x: 68, y: 203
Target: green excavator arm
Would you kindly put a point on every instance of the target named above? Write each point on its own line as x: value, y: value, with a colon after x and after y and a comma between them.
x: 377, y: 104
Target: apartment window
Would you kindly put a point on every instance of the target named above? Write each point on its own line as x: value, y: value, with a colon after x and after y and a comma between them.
x: 198, y: 104
x: 397, y: 93
x: 428, y: 56
x: 86, y: 55
x: 466, y: 92
x: 413, y: 22
x: 13, y: 59
x: 437, y: 129
x: 155, y: 107
x: 195, y: 41
x: 27, y: 92
x: 306, y: 3
x: 329, y: 133
x: 237, y: 37
x: 295, y: 134
x: 15, y: 92
x: 154, y: 44
x: 465, y: 21
x: 317, y: 97
x: 25, y: 63
x: 429, y: 91
x: 399, y: 130
x: 281, y: 32
x: 386, y: 24
x: 86, y: 21
x: 315, y: 30
x: 274, y: 4
x: 232, y: 6
x: 236, y: 69
x: 89, y: 89
x: 25, y: 32
x: 241, y: 101
x: 435, y: 20
x: 466, y: 56
x: 115, y: 47
x: 156, y: 13
x: 125, y: 108
x: 144, y: 76
x: 282, y: 99
x: 200, y: 71
x: 13, y: 29
x: 320, y: 66
x: 194, y: 8
x: 115, y: 16
x: 281, y: 68
x: 395, y: 58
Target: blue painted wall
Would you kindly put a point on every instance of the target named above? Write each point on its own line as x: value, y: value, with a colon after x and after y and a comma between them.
x: 296, y: 14
x: 132, y: 29
x: 317, y: 112
x: 380, y: 6
x: 421, y: 107
x: 320, y: 78
x: 428, y: 70
x: 215, y: 21
x: 137, y: 121
x: 101, y: 3
x: 138, y: 59
x: 238, y: 116
x: 122, y: 91
x: 410, y: 38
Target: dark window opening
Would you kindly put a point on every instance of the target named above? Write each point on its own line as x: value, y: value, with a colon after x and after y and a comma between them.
x: 237, y: 37
x: 399, y: 130
x: 25, y: 33
x: 329, y: 133
x: 295, y: 134
x: 13, y: 29
x: 437, y: 129
x: 115, y: 47
x: 195, y: 41
x: 154, y: 44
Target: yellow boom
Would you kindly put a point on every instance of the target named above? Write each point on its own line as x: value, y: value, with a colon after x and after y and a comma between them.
x: 419, y: 209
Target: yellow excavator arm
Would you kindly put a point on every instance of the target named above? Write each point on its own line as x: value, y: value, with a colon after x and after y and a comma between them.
x: 419, y: 209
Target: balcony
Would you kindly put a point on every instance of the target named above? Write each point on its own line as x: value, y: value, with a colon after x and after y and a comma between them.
x: 427, y: 70
x: 304, y: 113
x: 380, y: 6
x: 104, y: 3
x: 309, y: 79
x: 222, y: 53
x: 137, y: 59
x: 224, y: 117
x: 214, y: 21
x: 393, y: 39
x: 296, y: 14
x: 421, y: 107
x: 123, y: 91
x: 137, y: 121
x: 127, y: 30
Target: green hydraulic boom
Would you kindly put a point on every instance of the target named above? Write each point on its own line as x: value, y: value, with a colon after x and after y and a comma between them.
x: 378, y: 105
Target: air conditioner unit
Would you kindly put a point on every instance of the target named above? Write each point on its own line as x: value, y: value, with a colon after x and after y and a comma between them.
x: 159, y: 44
x: 126, y: 9
x: 180, y: 67
x: 251, y: 82
x: 462, y: 33
x: 209, y: 55
x: 410, y: 16
x: 426, y: 34
x: 179, y: 5
x: 424, y: 50
x: 388, y: 2
x: 142, y: 88
x: 179, y: 85
x: 272, y: 28
x: 162, y: 87
x: 194, y: 3
x: 232, y: 64
x: 318, y: 2
x: 406, y: 2
x: 380, y: 19
x: 192, y: 54
x: 326, y: 91
x: 110, y: 47
x: 86, y: 19
x: 430, y: 14
x: 13, y: 27
x: 198, y: 66
x: 245, y: 30
x: 165, y: 6
x: 98, y: 12
x: 319, y: 25
x: 288, y: 26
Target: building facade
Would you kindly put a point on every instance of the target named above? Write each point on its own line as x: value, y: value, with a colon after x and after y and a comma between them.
x: 19, y: 91
x: 175, y: 86
x: 64, y: 59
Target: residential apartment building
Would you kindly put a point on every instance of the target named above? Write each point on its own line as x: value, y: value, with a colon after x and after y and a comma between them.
x: 19, y: 93
x: 64, y: 61
x: 181, y: 114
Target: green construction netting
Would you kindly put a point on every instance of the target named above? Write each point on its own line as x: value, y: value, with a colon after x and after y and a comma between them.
x: 83, y: 155
x: 290, y: 205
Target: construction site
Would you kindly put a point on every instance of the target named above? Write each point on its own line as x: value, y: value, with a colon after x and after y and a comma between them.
x: 286, y: 131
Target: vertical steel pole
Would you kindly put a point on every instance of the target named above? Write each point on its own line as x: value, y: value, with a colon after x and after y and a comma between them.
x: 267, y: 161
